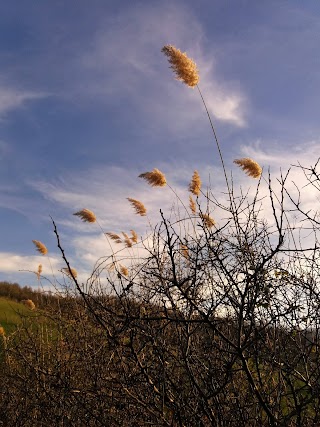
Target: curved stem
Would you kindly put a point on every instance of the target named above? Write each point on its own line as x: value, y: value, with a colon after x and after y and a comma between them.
x: 217, y: 142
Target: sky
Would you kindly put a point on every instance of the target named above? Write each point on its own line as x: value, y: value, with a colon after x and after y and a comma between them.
x: 88, y: 102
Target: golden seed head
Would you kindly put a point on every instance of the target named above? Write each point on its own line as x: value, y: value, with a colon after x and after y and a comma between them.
x: 195, y: 184
x: 249, y: 166
x: 40, y: 247
x: 138, y: 206
x: 2, y: 331
x: 124, y: 270
x: 184, y: 68
x: 29, y: 304
x: 127, y: 240
x: 134, y: 236
x: 111, y: 266
x: 86, y: 215
x: 73, y: 271
x: 192, y: 205
x: 207, y: 220
x: 155, y: 178
x: 39, y: 271
x: 184, y: 251
x: 115, y: 237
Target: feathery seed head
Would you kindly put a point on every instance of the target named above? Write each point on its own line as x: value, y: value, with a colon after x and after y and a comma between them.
x: 40, y: 247
x: 29, y: 304
x: 249, y: 166
x: 192, y: 205
x: 184, y: 68
x: 155, y: 178
x: 124, y: 270
x: 111, y: 266
x: 195, y: 184
x: 207, y: 220
x: 115, y: 237
x: 86, y: 215
x: 39, y: 271
x: 138, y: 206
x: 134, y: 236
x: 184, y: 251
x: 127, y: 240
x: 73, y: 271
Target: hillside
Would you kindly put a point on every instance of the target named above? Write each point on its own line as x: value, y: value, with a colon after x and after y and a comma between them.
x: 12, y: 313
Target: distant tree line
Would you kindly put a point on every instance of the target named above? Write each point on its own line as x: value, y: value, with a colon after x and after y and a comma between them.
x: 19, y: 293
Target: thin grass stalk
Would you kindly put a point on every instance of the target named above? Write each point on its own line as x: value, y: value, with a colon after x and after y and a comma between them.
x: 218, y: 145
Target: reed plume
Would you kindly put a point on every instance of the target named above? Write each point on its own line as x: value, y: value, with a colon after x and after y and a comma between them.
x: 111, y: 266
x: 249, y: 166
x: 184, y: 251
x: 134, y: 236
x: 138, y: 206
x: 40, y: 247
x: 86, y: 215
x: 115, y: 237
x: 73, y: 272
x: 155, y: 178
x: 192, y: 205
x: 127, y: 240
x: 184, y: 67
x: 195, y: 184
x: 29, y: 304
x: 39, y: 271
x: 207, y: 220
x: 124, y: 270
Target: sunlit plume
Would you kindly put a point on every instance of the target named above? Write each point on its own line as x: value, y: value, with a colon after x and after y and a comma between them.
x: 40, y: 247
x: 249, y: 166
x: 138, y: 206
x: 184, y: 67
x: 86, y: 215
x: 195, y: 184
x: 155, y: 178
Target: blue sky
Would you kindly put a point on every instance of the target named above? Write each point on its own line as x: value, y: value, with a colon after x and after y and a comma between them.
x: 87, y: 103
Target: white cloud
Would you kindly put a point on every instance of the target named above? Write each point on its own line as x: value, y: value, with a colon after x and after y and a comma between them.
x: 11, y: 99
x: 130, y: 63
x: 13, y: 263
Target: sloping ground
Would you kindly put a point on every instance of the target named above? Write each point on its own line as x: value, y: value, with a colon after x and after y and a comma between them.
x: 11, y: 314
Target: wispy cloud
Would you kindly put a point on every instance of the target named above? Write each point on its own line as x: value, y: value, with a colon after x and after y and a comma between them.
x: 130, y: 64
x: 11, y: 99
x: 13, y: 263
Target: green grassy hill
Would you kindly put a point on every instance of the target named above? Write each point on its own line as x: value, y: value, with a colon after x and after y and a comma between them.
x: 12, y: 313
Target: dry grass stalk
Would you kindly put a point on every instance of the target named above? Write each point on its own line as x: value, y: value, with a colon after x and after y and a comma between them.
x: 127, y: 240
x: 249, y: 166
x: 40, y: 247
x: 195, y: 184
x: 86, y: 215
x: 192, y: 205
x: 138, y: 206
x: 124, y: 270
x: 134, y: 236
x: 115, y: 237
x: 207, y: 220
x: 155, y: 178
x: 184, y: 251
x: 184, y: 68
x: 29, y: 304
